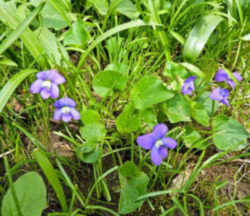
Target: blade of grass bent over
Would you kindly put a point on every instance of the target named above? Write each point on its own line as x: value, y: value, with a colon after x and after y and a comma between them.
x: 19, y: 30
x: 11, y: 85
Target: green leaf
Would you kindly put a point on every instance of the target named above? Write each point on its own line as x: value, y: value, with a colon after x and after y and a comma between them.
x: 200, y: 35
x: 94, y: 132
x: 129, y: 120
x: 200, y: 114
x: 127, y: 8
x: 51, y: 175
x: 177, y: 109
x: 31, y: 195
x: 207, y: 103
x: 228, y: 134
x: 148, y: 92
x: 62, y: 10
x: 89, y: 116
x: 51, y: 18
x: 20, y: 29
x: 89, y: 153
x: 133, y: 184
x: 149, y: 117
x: 101, y: 6
x: 192, y: 138
x: 77, y: 34
x: 49, y: 42
x: 246, y: 37
x: 174, y: 70
x: 11, y: 17
x: 11, y: 85
x: 105, y: 82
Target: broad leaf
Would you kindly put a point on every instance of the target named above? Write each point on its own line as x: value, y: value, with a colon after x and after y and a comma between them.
x: 133, y: 184
x: 89, y: 116
x: 177, y: 109
x: 101, y: 6
x: 31, y: 195
x: 200, y: 114
x: 49, y: 42
x: 207, y: 103
x: 199, y: 35
x: 77, y: 34
x: 105, y: 82
x: 148, y: 92
x: 129, y: 120
x: 89, y: 152
x: 127, y: 8
x: 228, y: 134
x: 192, y: 138
x: 94, y: 132
x: 51, y: 18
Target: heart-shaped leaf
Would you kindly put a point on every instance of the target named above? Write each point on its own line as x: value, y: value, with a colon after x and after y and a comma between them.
x: 228, y: 134
x: 31, y: 196
x: 149, y: 91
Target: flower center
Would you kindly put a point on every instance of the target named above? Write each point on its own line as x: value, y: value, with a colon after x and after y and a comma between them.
x: 46, y: 84
x: 158, y: 143
x: 65, y: 109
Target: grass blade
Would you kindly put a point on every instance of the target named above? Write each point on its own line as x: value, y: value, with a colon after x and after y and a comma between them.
x: 11, y: 17
x: 200, y: 35
x: 119, y: 28
x: 11, y: 85
x: 51, y: 175
x: 20, y: 29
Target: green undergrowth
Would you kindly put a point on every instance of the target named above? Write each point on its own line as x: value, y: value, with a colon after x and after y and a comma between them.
x: 125, y: 63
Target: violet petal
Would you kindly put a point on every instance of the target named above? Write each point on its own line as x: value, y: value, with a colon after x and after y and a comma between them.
x: 146, y: 141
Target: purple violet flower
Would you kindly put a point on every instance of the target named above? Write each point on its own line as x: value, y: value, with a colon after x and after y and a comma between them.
x: 47, y: 84
x: 222, y: 76
x: 65, y: 110
x: 188, y: 86
x: 157, y: 143
x: 220, y: 95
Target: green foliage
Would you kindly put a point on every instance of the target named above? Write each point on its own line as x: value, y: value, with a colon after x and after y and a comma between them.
x: 228, y: 134
x: 148, y: 92
x: 51, y: 175
x: 31, y: 196
x: 133, y: 184
x: 199, y: 36
x: 93, y: 133
x: 178, y: 109
x: 107, y: 81
x: 77, y: 34
x: 200, y: 114
x: 11, y: 85
x: 192, y: 138
x: 129, y: 120
x: 51, y: 18
x: 127, y: 8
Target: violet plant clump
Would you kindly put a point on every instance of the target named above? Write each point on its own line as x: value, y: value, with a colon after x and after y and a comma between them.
x: 188, y: 86
x: 157, y: 143
x: 65, y: 110
x: 47, y: 84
